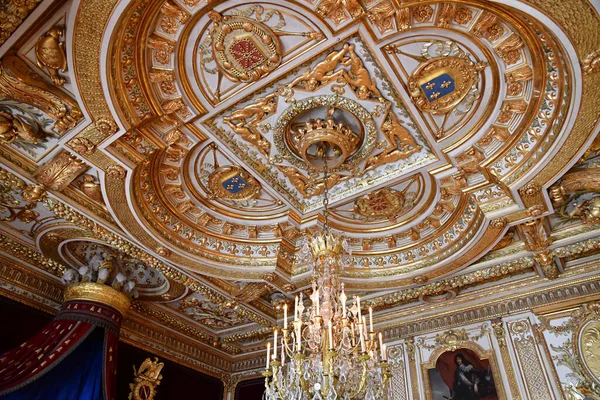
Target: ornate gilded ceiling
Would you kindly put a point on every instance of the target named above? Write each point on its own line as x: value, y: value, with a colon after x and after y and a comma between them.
x: 184, y: 139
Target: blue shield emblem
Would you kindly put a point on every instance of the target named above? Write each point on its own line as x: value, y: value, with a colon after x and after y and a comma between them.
x: 235, y: 184
x: 438, y: 87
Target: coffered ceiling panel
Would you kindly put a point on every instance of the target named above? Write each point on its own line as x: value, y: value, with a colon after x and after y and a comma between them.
x: 185, y: 139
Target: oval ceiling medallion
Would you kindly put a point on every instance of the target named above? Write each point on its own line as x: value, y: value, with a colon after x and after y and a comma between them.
x: 440, y: 83
x: 233, y: 183
x: 244, y: 49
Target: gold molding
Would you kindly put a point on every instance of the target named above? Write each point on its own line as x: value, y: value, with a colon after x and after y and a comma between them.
x: 98, y: 293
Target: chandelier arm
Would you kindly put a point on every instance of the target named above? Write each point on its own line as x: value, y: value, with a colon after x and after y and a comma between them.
x: 364, y: 359
x: 299, y: 362
x: 386, y: 378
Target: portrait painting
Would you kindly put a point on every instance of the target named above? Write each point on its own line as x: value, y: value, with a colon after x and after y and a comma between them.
x: 462, y: 375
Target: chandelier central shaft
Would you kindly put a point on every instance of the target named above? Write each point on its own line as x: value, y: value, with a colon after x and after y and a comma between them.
x: 330, y: 352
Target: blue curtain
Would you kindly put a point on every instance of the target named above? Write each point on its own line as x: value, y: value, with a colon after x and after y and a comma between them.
x: 77, y: 377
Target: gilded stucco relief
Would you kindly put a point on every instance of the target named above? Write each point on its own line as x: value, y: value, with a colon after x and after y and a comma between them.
x: 183, y: 154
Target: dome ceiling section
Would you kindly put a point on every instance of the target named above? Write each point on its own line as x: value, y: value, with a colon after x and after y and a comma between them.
x: 427, y: 131
x: 234, y: 46
x: 278, y: 131
x: 149, y: 281
x: 230, y: 189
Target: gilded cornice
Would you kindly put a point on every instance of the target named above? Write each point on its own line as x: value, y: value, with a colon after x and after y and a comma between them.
x: 579, y: 289
x: 30, y: 256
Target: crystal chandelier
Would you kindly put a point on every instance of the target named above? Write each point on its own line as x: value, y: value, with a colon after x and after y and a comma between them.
x: 329, y: 351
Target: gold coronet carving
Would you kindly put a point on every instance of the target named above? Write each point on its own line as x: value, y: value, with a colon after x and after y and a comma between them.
x: 50, y: 54
x: 319, y: 139
x: 99, y: 293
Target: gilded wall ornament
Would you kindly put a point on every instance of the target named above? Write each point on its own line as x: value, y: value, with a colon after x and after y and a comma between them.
x: 545, y: 259
x: 246, y: 121
x: 244, y: 48
x: 383, y: 203
x: 383, y: 14
x: 535, y: 235
x: 20, y: 83
x: 250, y: 291
x: 587, y: 210
x: 16, y: 128
x: 423, y: 13
x: 335, y: 9
x: 82, y: 145
x: 440, y: 83
x: 591, y: 63
x: 162, y: 49
x: 106, y: 125
x: 445, y: 14
x: 233, y: 183
x: 146, y: 378
x: 401, y: 144
x: 590, y: 348
x: 214, y: 315
x: 60, y: 171
x: 324, y: 72
x: 92, y: 189
x: 116, y: 171
x: 307, y: 187
x: 12, y: 15
x: 50, y: 54
x: 509, y: 49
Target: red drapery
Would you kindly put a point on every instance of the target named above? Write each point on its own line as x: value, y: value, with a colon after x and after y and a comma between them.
x: 73, y: 323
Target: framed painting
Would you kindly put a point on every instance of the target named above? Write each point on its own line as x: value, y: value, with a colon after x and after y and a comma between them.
x: 465, y: 373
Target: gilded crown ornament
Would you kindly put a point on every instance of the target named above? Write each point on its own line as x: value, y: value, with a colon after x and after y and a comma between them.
x: 319, y: 139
